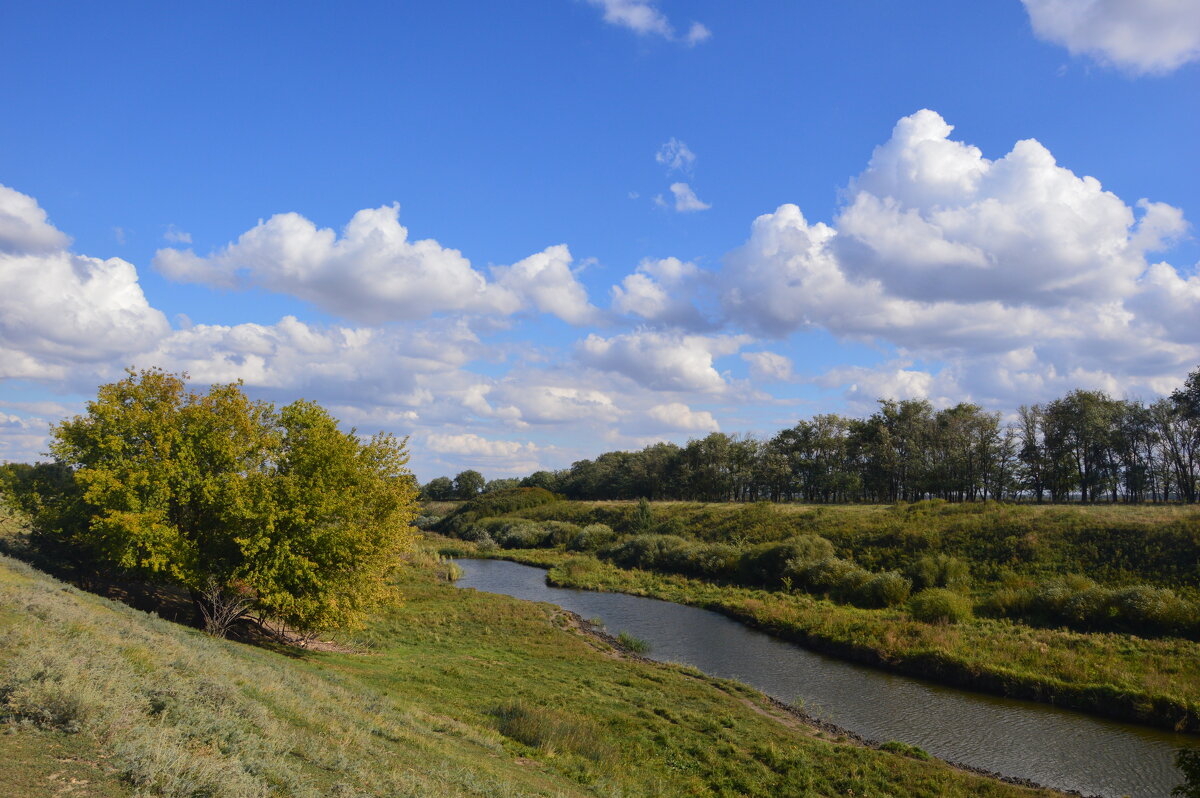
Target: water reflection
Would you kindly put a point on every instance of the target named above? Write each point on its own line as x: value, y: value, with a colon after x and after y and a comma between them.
x: 1054, y: 747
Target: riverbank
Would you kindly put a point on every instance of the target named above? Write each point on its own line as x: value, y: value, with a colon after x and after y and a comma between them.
x: 1154, y: 682
x: 461, y: 693
x: 619, y: 645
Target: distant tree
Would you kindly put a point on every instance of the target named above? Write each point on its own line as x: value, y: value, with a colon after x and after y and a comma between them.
x: 249, y: 508
x: 468, y: 484
x: 1179, y: 438
x: 1079, y: 432
x: 542, y: 479
x: 494, y: 485
x: 1187, y: 398
x: 438, y: 489
x: 1032, y: 452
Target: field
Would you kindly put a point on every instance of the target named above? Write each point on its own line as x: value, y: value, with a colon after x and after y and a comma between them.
x: 449, y: 693
x: 857, y: 581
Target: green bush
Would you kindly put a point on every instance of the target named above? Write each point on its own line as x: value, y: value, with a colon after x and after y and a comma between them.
x: 833, y: 577
x: 940, y: 605
x: 888, y: 589
x: 649, y: 552
x: 767, y: 564
x: 521, y: 535
x: 478, y: 533
x: 939, y: 570
x: 674, y: 554
x: 559, y: 533
x: 1079, y: 603
x: 487, y: 505
x: 591, y: 538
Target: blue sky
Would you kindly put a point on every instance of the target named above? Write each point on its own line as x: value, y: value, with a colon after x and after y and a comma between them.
x: 642, y: 220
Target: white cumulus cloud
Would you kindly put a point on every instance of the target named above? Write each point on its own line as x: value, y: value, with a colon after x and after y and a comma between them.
x: 60, y: 311
x: 679, y: 417
x: 663, y: 290
x: 1142, y: 36
x: 469, y: 450
x: 373, y: 273
x: 177, y: 236
x: 949, y: 255
x: 768, y: 366
x: 545, y: 281
x: 686, y: 200
x: 643, y: 18
x: 24, y: 226
x: 662, y: 361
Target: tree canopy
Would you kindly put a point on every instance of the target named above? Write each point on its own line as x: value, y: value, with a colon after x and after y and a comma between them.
x: 1085, y: 445
x: 243, y: 504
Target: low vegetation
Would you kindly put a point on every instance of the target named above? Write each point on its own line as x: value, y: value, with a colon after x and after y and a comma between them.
x: 935, y: 634
x: 462, y: 694
x: 1003, y: 561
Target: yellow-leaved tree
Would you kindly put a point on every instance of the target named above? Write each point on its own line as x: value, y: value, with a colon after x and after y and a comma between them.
x: 252, y: 509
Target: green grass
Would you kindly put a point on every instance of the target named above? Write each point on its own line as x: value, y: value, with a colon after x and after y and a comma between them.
x: 1114, y: 544
x: 635, y: 644
x: 463, y: 693
x: 1122, y: 642
x: 1153, y: 681
x: 37, y: 762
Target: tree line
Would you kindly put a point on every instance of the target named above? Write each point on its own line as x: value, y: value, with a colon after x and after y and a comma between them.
x: 1085, y: 446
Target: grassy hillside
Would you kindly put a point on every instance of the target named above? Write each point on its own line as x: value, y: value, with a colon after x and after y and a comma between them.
x: 1115, y: 544
x: 460, y: 693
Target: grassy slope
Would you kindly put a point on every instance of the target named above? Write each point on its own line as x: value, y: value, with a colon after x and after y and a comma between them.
x: 1114, y: 544
x: 176, y: 713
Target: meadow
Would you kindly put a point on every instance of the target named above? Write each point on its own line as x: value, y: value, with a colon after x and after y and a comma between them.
x: 450, y: 692
x: 988, y: 596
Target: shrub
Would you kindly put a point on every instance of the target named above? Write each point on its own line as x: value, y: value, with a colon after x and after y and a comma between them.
x: 500, y: 502
x: 1008, y: 602
x: 768, y: 563
x: 1079, y: 603
x: 521, y: 535
x: 939, y: 605
x: 559, y: 533
x: 591, y: 538
x: 674, y: 554
x: 887, y: 589
x: 1141, y: 607
x: 940, y: 570
x: 713, y: 561
x: 477, y: 533
x: 833, y: 577
x: 649, y: 552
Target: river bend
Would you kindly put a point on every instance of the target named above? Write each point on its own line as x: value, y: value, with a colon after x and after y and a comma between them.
x: 1054, y: 747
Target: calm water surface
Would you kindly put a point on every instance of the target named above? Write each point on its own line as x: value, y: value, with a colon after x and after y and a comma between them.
x: 1017, y: 738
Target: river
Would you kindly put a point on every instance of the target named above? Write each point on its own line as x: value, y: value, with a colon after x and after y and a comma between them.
x: 1054, y: 747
